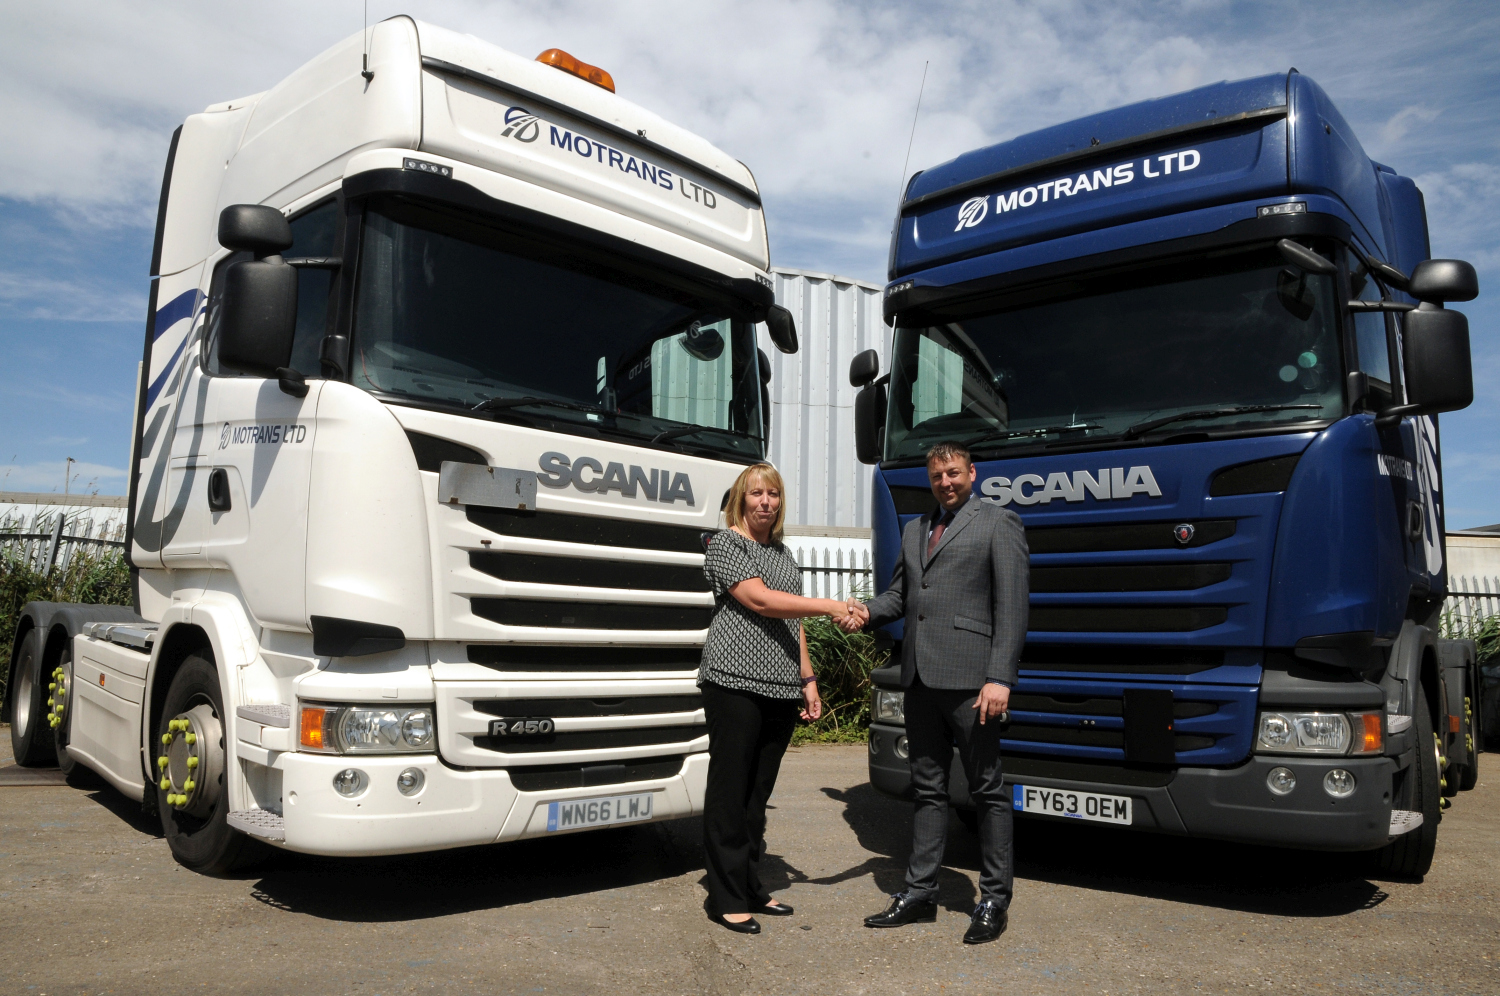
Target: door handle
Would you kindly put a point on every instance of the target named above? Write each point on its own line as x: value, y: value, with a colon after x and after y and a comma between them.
x: 218, y: 490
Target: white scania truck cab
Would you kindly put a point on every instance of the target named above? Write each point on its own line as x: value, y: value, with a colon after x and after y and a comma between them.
x: 450, y: 361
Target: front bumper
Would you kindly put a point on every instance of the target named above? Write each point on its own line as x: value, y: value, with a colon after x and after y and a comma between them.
x: 1221, y: 803
x: 455, y: 808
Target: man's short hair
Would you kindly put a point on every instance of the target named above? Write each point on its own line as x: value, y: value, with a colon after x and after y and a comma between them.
x: 943, y: 452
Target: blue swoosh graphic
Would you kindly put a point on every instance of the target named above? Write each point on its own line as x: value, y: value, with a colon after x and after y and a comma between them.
x: 184, y: 305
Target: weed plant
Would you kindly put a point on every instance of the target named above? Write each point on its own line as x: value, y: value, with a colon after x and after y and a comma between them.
x: 94, y: 579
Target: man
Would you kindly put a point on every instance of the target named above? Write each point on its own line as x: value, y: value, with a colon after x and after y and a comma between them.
x: 961, y: 584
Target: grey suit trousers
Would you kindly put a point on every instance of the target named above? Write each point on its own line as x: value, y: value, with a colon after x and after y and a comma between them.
x: 937, y: 720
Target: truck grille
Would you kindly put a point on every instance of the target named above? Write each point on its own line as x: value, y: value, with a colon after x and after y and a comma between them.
x: 550, y: 777
x: 588, y: 572
x: 1086, y: 719
x: 1119, y: 659
x: 597, y: 530
x: 594, y: 739
x: 591, y: 615
x: 534, y: 658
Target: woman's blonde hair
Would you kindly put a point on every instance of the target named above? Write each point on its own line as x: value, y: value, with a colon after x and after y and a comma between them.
x: 734, y: 508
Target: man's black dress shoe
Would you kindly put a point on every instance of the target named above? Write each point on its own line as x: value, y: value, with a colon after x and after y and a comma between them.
x: 743, y: 927
x: 775, y: 909
x: 988, y: 923
x: 904, y: 910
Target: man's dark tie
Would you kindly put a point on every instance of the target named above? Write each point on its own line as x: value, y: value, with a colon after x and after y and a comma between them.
x: 937, y: 531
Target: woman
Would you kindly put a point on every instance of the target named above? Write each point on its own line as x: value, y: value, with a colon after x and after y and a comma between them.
x: 755, y: 674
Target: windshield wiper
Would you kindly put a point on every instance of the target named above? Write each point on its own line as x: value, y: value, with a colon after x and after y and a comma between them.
x: 1141, y: 428
x: 500, y: 404
x: 1045, y: 430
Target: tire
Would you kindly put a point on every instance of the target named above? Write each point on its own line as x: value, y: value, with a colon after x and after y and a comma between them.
x: 198, y: 831
x: 1410, y: 855
x: 31, y: 738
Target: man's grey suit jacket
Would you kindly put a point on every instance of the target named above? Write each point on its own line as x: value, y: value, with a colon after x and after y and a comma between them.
x: 965, y: 608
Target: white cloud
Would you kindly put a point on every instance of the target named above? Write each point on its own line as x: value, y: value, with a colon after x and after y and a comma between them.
x: 1395, y: 129
x: 1463, y: 201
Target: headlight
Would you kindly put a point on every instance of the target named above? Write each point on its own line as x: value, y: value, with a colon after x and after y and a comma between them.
x: 890, y: 707
x: 366, y: 729
x: 1315, y: 733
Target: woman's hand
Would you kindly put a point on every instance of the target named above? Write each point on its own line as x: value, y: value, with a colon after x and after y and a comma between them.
x: 812, y: 705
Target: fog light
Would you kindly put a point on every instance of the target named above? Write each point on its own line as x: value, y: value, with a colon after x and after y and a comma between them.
x: 1339, y: 783
x: 1281, y: 781
x: 874, y: 743
x: 410, y: 781
x: 350, y: 782
x: 902, y: 751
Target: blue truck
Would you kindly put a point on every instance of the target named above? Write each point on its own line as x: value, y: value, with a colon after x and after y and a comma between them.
x: 1199, y: 345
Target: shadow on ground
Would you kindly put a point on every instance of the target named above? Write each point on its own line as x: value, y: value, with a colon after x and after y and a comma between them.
x: 1240, y: 877
x: 442, y: 883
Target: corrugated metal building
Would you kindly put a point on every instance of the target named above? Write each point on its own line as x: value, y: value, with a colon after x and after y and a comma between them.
x: 812, y: 403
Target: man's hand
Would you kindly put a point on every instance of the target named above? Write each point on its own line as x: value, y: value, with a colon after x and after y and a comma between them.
x: 857, y: 617
x: 993, y: 700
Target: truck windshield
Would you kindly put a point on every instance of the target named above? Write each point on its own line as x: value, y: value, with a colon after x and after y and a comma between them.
x: 1237, y: 343
x: 455, y: 314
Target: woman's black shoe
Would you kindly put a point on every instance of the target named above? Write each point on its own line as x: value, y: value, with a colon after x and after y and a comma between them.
x: 904, y: 910
x: 743, y: 927
x: 775, y: 909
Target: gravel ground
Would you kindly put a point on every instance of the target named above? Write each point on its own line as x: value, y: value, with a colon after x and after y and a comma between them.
x: 91, y: 902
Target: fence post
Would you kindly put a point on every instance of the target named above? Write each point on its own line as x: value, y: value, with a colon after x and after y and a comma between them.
x: 56, y: 542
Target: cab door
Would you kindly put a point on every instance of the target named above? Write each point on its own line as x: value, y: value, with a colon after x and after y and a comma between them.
x: 262, y: 444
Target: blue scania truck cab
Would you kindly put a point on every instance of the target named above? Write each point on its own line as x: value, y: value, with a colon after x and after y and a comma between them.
x: 1199, y: 345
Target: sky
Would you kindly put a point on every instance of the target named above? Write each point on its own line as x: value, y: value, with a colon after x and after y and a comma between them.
x: 816, y: 96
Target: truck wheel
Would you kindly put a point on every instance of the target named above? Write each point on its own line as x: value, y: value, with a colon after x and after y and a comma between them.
x: 61, y: 720
x: 1410, y: 855
x: 1468, y: 776
x: 30, y: 734
x: 190, y: 763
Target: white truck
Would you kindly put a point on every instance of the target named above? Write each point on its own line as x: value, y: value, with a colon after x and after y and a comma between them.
x: 450, y: 359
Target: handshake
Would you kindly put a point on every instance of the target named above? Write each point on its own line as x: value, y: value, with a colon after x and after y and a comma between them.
x: 851, y: 616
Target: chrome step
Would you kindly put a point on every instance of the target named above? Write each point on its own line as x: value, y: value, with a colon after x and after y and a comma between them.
x: 260, y: 823
x: 1404, y: 821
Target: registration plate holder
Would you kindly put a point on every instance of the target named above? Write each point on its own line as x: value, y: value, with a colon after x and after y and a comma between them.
x: 1094, y: 807
x: 579, y: 814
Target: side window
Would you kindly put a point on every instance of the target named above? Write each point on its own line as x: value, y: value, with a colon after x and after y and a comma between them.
x: 314, y: 233
x: 1372, y: 350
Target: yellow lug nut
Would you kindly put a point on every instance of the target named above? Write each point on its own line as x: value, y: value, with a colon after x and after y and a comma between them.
x: 161, y: 762
x: 166, y: 738
x: 166, y: 783
x: 192, y: 762
x: 192, y: 738
x: 49, y: 703
x: 52, y: 687
x: 187, y: 786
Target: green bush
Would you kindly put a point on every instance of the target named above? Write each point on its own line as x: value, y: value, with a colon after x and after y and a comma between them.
x: 95, y: 579
x: 843, y: 662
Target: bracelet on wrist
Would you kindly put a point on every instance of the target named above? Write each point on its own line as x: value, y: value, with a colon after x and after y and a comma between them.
x: 809, y: 680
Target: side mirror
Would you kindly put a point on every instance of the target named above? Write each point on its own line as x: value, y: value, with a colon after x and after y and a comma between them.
x: 782, y: 328
x: 869, y: 421
x: 1440, y: 280
x: 864, y: 368
x: 260, y: 316
x: 1439, y: 374
x: 254, y: 228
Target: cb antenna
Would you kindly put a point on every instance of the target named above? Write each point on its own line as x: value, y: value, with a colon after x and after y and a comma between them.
x: 365, y: 33
x: 900, y: 193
